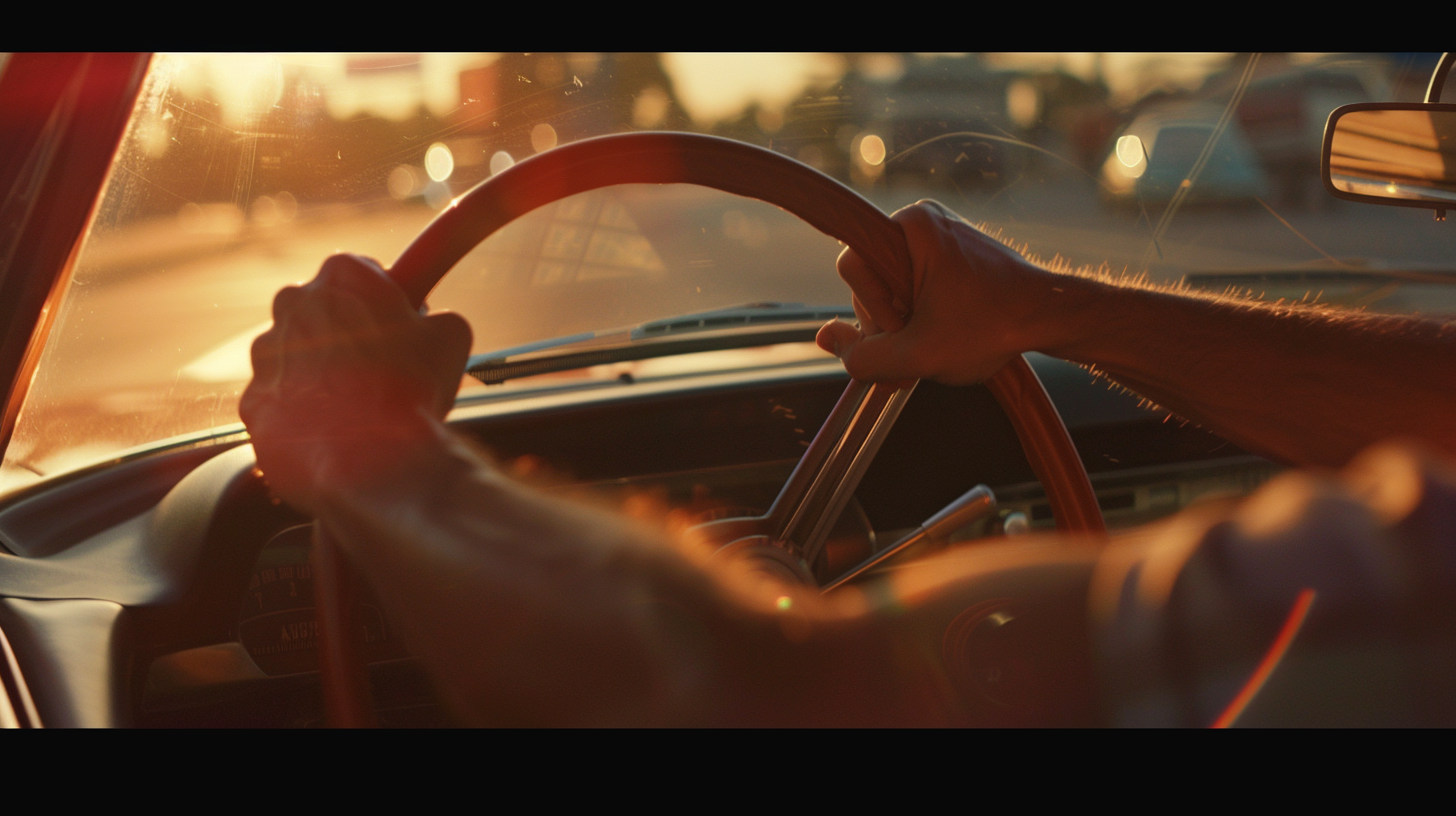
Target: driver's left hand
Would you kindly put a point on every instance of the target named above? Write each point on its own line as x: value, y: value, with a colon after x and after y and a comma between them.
x: 348, y: 377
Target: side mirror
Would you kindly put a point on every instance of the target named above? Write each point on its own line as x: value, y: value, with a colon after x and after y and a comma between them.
x: 1402, y: 154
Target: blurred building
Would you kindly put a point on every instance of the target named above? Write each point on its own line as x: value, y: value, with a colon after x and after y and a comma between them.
x: 521, y: 104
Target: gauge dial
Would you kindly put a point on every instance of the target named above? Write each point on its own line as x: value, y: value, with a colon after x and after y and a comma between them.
x: 278, y: 625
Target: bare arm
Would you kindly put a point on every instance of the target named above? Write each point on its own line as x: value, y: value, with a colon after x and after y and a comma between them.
x: 531, y: 610
x: 528, y: 609
x: 1300, y: 384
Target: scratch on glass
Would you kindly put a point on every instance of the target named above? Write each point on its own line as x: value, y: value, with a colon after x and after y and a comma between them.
x: 1186, y: 186
x: 1302, y: 237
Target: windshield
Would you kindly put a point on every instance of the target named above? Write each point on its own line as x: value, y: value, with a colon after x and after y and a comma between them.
x: 241, y: 172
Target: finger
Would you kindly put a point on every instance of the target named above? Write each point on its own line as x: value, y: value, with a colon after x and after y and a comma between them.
x: 925, y: 225
x: 450, y: 334
x: 252, y: 405
x: 305, y: 311
x: 286, y: 302
x: 314, y: 330
x: 343, y: 266
x: 867, y: 324
x: 874, y: 293
x: 449, y: 337
x: 266, y: 357
x: 836, y: 334
x: 350, y: 303
x: 942, y: 210
x: 366, y: 279
x: 884, y: 357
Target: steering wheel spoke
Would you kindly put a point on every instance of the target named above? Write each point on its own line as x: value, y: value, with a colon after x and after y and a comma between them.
x: 835, y: 483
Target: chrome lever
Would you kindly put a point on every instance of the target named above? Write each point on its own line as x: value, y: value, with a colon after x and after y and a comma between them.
x: 976, y: 503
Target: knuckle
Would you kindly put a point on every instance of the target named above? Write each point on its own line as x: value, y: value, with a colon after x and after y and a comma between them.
x: 451, y: 329
x: 352, y: 272
x: 248, y: 406
x: 855, y: 367
x: 919, y: 215
x: 286, y: 301
x: 340, y: 264
x: 263, y: 344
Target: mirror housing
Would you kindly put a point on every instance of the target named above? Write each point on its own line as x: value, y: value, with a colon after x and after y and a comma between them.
x: 1401, y: 154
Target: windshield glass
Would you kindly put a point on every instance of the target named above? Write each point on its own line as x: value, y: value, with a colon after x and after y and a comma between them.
x: 241, y: 172
x: 625, y: 255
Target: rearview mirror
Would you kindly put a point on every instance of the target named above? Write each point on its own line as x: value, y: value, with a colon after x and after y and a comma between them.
x: 1392, y: 153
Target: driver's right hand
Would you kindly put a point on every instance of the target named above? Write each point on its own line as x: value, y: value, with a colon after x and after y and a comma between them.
x: 974, y: 304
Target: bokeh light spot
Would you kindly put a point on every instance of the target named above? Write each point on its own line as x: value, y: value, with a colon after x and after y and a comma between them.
x: 650, y: 108
x: 1130, y: 150
x: 499, y: 161
x: 872, y: 149
x: 439, y: 162
x: 404, y: 181
x: 1023, y: 103
x: 1132, y: 156
x: 543, y: 138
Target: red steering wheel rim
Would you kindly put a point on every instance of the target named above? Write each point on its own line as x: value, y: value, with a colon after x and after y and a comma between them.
x: 746, y: 170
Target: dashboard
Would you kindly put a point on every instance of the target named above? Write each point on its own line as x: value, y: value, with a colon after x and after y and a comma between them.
x: 171, y: 591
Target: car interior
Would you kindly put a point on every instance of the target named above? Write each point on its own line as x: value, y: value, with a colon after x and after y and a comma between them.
x: 150, y: 580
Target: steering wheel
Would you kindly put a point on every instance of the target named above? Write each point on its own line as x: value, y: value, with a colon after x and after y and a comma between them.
x: 733, y: 167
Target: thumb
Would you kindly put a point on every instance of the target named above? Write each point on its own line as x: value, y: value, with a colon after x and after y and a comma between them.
x: 879, y: 358
x: 448, y: 338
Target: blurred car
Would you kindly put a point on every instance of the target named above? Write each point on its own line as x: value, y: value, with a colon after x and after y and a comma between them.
x: 945, y: 123
x: 1283, y: 116
x: 1182, y: 151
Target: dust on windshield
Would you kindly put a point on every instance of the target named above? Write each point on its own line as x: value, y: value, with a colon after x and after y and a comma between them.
x: 240, y: 173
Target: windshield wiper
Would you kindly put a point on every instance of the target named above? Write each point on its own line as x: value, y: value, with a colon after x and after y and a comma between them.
x: 746, y: 326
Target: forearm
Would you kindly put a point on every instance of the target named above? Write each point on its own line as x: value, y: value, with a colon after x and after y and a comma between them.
x: 1300, y: 384
x: 530, y: 609
x: 525, y: 609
